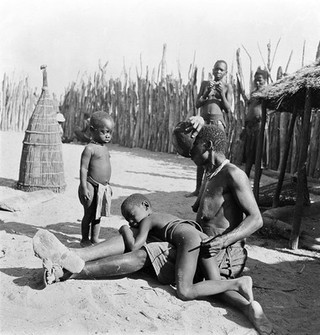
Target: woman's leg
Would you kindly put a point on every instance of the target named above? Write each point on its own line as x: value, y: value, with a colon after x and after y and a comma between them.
x: 112, y: 266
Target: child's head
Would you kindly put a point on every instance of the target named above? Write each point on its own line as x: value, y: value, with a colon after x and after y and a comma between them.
x: 220, y: 69
x: 101, y: 126
x: 211, y: 138
x: 260, y: 77
x: 135, y: 208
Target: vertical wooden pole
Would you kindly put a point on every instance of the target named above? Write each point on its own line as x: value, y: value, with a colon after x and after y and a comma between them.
x: 284, y: 159
x: 259, y: 152
x: 305, y: 136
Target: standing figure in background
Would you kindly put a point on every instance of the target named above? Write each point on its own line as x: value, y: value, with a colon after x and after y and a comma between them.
x: 251, y: 131
x: 95, y: 172
x: 214, y: 99
x: 61, y: 119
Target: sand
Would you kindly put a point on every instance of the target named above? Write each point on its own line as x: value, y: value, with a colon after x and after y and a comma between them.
x: 286, y: 282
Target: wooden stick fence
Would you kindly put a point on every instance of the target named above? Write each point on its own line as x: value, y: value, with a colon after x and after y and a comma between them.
x: 145, y: 112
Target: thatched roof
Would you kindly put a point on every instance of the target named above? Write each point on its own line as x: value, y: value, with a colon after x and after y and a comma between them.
x: 290, y: 90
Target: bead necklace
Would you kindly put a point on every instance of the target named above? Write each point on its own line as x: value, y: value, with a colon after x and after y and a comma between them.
x: 217, y: 170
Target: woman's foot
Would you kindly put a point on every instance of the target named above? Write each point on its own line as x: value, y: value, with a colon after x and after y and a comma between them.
x: 259, y: 319
x: 54, y: 273
x: 47, y: 247
x: 192, y: 194
x: 245, y: 287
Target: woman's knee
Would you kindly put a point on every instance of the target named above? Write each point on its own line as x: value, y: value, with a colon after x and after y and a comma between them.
x: 185, y: 292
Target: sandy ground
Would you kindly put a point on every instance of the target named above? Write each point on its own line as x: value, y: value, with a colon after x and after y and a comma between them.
x: 286, y: 282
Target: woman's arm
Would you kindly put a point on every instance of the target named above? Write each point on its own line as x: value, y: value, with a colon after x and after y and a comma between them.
x: 242, y: 192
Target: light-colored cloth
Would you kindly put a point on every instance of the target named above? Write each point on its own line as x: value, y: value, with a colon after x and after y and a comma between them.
x: 103, y: 196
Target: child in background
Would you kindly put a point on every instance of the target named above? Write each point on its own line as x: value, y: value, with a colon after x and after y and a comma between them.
x: 95, y: 171
x: 214, y: 102
x: 187, y: 237
x: 61, y: 119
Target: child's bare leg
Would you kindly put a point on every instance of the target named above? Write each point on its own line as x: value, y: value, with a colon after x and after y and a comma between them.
x: 88, y: 217
x: 85, y: 229
x: 95, y: 231
x: 186, y: 239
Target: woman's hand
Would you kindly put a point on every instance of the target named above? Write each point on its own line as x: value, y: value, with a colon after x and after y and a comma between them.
x: 196, y: 123
x: 212, y: 246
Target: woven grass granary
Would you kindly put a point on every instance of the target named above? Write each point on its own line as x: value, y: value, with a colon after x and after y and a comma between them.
x: 41, y: 164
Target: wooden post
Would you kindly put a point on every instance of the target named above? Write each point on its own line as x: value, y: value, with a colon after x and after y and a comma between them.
x: 259, y: 152
x: 284, y: 158
x: 305, y: 136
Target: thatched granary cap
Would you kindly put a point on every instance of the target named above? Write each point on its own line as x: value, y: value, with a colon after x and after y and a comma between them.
x: 290, y: 90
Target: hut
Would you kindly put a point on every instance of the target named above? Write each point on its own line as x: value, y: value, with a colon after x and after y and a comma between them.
x: 299, y: 94
x: 41, y: 164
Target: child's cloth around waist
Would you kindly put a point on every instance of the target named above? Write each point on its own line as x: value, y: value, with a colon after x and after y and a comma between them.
x: 103, y: 195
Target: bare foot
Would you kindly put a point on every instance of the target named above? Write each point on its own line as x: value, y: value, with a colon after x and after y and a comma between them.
x: 245, y: 287
x: 192, y: 194
x: 85, y: 243
x: 259, y: 319
x: 96, y: 240
x: 55, y: 274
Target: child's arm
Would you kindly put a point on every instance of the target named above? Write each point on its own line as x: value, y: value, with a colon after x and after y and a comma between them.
x: 226, y: 93
x: 135, y: 243
x: 84, y: 167
x: 203, y: 94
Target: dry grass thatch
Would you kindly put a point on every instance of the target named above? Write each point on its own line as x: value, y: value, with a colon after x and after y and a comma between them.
x: 290, y: 89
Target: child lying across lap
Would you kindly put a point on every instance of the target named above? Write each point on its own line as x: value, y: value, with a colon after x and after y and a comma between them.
x: 187, y: 237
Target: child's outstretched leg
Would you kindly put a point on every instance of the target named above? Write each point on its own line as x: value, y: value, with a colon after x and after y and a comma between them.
x: 95, y: 231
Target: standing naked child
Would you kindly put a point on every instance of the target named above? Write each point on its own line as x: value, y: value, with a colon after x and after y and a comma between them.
x: 186, y: 236
x: 95, y: 171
